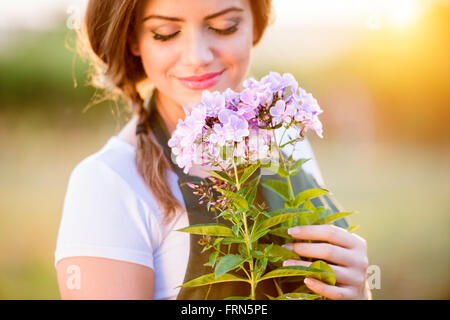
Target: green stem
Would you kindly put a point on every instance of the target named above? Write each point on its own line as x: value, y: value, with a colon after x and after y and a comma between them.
x: 236, y: 175
x: 250, y: 262
x: 247, y: 240
x: 288, y: 180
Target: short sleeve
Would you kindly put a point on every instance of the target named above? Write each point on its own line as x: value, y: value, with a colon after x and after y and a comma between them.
x: 102, y: 217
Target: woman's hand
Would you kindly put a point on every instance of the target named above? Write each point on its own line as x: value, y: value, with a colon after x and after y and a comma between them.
x: 347, y: 254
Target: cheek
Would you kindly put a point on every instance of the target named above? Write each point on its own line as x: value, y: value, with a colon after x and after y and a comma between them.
x: 157, y: 60
x: 236, y: 55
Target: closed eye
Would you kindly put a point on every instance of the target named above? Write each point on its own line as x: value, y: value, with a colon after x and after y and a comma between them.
x: 160, y: 37
x: 227, y: 31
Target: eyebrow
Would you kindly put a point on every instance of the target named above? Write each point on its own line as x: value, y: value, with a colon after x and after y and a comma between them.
x: 212, y: 16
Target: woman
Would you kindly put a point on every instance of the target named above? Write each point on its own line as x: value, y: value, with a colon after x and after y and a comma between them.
x: 118, y: 240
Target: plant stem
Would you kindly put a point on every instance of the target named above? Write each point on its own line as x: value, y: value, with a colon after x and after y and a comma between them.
x: 238, y: 186
x: 288, y: 180
x: 250, y: 262
x: 247, y: 240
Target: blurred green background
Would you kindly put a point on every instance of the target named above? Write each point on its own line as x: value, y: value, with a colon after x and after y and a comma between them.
x: 384, y: 88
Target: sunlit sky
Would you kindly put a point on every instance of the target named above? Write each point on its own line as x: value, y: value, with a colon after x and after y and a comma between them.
x: 290, y: 13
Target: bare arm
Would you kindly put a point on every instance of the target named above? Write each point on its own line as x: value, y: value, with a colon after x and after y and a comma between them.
x: 93, y: 278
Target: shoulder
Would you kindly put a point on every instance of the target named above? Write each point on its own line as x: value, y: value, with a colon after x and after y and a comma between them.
x: 110, y: 173
x: 102, y: 216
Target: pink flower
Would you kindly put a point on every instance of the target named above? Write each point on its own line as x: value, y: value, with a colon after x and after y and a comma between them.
x: 282, y: 112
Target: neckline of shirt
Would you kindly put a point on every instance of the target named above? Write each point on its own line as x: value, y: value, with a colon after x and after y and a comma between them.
x: 123, y: 143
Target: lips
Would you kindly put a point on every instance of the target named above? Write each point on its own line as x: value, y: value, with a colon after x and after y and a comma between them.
x: 201, y: 82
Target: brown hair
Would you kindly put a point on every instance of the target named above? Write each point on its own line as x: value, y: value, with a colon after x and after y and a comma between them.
x: 104, y: 39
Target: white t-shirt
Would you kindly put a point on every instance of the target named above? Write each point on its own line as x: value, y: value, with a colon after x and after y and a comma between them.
x: 109, y: 212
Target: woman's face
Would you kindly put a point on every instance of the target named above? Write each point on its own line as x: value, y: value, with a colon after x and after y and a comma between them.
x: 207, y: 41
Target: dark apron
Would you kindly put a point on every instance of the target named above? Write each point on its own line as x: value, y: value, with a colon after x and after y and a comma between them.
x: 198, y: 214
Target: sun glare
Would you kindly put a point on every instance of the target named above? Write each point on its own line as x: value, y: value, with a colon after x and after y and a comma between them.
x: 402, y: 13
x: 376, y: 13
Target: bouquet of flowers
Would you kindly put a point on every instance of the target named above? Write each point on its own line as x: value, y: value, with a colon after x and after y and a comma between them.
x: 233, y: 133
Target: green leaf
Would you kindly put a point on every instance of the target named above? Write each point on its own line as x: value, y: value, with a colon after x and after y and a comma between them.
x: 291, y: 271
x: 238, y: 200
x: 267, y: 248
x: 222, y: 176
x: 235, y: 228
x: 309, y: 194
x: 312, y: 218
x: 268, y: 223
x: 279, y: 187
x: 265, y: 213
x: 279, y: 251
x: 228, y: 263
x: 264, y: 262
x: 328, y: 277
x: 277, y: 286
x: 236, y: 298
x: 217, y: 241
x: 295, y: 168
x: 209, y: 229
x: 233, y: 240
x: 206, y: 248
x: 352, y: 228
x: 308, y: 205
x: 286, y: 210
x: 251, y: 189
x: 298, y: 296
x: 274, y: 259
x: 281, y: 232
x: 248, y: 172
x: 333, y: 217
x: 213, y: 258
x: 209, y: 278
x: 323, y: 212
x: 276, y: 169
x: 258, y: 234
x: 257, y: 254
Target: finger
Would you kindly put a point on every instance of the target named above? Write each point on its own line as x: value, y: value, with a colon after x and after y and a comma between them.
x: 325, y: 251
x: 331, y: 292
x: 329, y: 233
x: 343, y: 275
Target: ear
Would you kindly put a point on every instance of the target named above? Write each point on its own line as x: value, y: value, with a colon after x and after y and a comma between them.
x: 134, y: 46
x: 255, y: 34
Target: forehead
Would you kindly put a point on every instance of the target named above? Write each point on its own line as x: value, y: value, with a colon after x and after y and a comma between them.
x: 191, y: 9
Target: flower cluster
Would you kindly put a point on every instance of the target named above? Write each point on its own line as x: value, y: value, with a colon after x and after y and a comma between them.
x: 231, y: 124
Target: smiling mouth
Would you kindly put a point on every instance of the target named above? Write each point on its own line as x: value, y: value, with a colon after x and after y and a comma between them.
x: 203, y: 81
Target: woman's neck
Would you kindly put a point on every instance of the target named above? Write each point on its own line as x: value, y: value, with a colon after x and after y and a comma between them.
x: 169, y: 110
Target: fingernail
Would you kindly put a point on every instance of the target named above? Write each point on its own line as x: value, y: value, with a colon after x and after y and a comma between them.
x: 307, y: 281
x: 290, y: 230
x: 287, y: 246
x: 288, y: 263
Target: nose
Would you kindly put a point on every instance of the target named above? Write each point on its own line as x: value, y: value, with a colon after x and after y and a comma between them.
x: 198, y: 50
